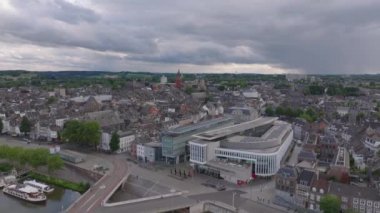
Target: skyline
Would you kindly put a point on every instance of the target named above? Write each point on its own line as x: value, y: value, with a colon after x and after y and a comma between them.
x: 335, y: 37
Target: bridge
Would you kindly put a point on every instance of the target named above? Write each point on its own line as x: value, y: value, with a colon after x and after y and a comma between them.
x: 102, y: 190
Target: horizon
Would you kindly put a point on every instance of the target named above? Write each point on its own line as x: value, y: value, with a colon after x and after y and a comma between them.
x: 195, y: 73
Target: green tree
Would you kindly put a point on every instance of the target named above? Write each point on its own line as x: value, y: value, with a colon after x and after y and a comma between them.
x: 39, y: 157
x: 1, y: 126
x: 54, y: 163
x: 25, y: 125
x: 269, y: 111
x: 330, y: 204
x: 189, y: 90
x: 280, y: 111
x: 360, y: 117
x: 51, y: 100
x: 83, y: 133
x: 221, y: 87
x: 115, y: 142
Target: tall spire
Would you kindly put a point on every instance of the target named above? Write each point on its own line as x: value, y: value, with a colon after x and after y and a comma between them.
x: 178, y: 80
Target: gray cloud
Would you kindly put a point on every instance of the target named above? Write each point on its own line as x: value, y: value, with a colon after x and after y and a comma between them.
x: 337, y: 36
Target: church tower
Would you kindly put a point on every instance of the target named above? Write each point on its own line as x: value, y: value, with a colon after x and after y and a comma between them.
x: 178, y: 80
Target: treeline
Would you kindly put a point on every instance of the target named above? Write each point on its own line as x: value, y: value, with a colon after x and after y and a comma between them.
x: 309, y: 114
x: 332, y: 90
x: 31, y: 157
x: 82, y: 133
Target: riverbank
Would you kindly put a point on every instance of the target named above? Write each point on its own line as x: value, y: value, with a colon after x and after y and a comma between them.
x: 79, y: 187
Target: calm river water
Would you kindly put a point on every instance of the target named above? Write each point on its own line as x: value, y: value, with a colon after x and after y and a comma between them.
x: 57, y: 201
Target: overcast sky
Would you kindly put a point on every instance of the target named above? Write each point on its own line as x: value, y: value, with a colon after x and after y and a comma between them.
x: 316, y: 36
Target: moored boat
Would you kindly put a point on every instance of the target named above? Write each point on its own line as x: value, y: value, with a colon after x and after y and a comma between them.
x: 40, y: 186
x: 2, y: 183
x: 25, y: 192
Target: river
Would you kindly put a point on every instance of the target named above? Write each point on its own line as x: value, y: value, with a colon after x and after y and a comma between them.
x: 57, y: 201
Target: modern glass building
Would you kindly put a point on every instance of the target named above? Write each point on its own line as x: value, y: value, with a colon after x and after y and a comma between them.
x: 243, y: 151
x: 174, y: 141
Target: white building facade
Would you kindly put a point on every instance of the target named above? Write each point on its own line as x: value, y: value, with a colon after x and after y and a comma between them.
x: 236, y: 157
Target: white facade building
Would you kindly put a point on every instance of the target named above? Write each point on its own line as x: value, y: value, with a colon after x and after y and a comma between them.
x: 372, y: 139
x: 243, y: 151
x: 251, y: 93
x: 163, y: 80
x: 126, y: 139
x: 140, y: 152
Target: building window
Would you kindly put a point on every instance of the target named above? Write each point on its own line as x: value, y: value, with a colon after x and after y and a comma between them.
x: 369, y: 203
x: 377, y: 204
x: 356, y: 200
x: 344, y: 199
x: 318, y: 198
x: 312, y: 196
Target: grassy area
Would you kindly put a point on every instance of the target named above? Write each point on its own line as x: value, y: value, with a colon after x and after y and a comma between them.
x: 5, y: 167
x: 79, y: 187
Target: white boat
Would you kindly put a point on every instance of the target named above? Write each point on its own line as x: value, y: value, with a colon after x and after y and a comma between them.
x: 40, y: 186
x: 2, y: 183
x: 25, y: 192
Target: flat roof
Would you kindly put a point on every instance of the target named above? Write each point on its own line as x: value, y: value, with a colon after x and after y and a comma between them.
x: 222, y: 132
x: 200, y: 125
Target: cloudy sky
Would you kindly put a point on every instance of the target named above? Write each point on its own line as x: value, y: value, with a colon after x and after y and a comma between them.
x: 305, y: 36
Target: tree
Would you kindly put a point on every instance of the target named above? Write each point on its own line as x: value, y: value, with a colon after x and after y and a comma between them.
x: 54, y: 163
x: 1, y: 126
x: 115, y: 142
x: 269, y: 111
x: 25, y: 125
x: 359, y: 117
x: 189, y: 90
x: 83, y: 133
x: 51, y: 100
x: 330, y: 204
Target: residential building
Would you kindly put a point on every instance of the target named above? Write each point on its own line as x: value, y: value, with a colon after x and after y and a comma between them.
x: 303, y: 188
x: 372, y: 139
x: 360, y: 199
x: 126, y: 139
x: 140, y: 152
x: 242, y: 114
x: 319, y: 188
x: 286, y: 181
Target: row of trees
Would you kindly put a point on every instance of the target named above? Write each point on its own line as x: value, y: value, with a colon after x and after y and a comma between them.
x: 332, y: 90
x: 309, y: 114
x: 31, y: 157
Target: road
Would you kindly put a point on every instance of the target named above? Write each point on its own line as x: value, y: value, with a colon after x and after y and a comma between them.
x: 93, y: 198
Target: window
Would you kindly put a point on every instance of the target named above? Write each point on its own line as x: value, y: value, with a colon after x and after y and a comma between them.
x: 318, y: 198
x: 356, y: 200
x: 312, y: 196
x: 362, y: 202
x: 344, y: 199
x: 377, y: 204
